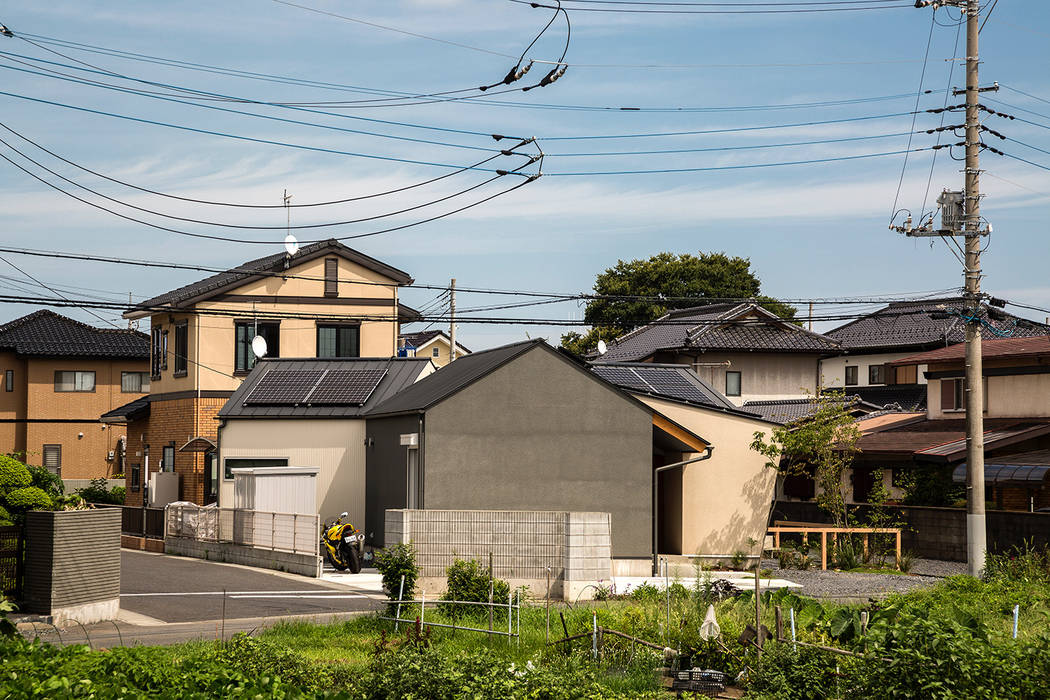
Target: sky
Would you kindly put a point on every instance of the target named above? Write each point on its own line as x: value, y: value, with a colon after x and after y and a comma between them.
x: 814, y: 230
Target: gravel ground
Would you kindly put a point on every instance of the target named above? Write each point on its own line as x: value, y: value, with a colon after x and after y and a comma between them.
x: 843, y: 585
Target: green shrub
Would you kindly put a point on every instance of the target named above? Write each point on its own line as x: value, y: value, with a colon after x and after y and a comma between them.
x: 469, y: 581
x: 803, y: 674
x: 1019, y: 564
x: 394, y: 562
x: 28, y: 498
x: 49, y: 482
x: 13, y: 474
x: 99, y: 492
x: 646, y: 592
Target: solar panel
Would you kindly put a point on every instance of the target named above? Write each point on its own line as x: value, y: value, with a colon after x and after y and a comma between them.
x: 622, y: 376
x: 670, y: 382
x: 283, y: 387
x: 345, y: 387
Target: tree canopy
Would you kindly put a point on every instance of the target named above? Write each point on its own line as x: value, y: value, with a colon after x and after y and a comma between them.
x: 666, y: 281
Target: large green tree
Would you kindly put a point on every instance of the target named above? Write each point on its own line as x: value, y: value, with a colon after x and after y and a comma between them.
x: 663, y: 283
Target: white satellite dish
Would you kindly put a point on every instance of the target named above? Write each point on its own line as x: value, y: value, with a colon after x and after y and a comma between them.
x: 602, y: 347
x: 291, y: 244
x: 259, y: 346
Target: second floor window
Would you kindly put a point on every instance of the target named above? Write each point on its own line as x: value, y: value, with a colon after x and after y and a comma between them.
x: 182, y: 347
x: 876, y: 374
x: 851, y: 375
x: 244, y: 358
x: 9, y: 380
x: 732, y: 383
x: 167, y: 463
x: 338, y: 341
x: 134, y: 382
x: 74, y: 381
x: 436, y: 352
x: 158, y: 343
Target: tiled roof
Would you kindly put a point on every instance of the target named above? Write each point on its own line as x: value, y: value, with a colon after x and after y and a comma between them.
x: 786, y: 411
x: 1034, y: 346
x: 421, y: 338
x: 719, y: 327
x: 903, y: 397
x: 270, y: 263
x: 675, y: 382
x: 912, y: 325
x: 45, y: 333
x: 401, y: 372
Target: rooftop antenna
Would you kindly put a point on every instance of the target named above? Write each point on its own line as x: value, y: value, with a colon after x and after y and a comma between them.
x: 291, y: 245
x: 602, y: 347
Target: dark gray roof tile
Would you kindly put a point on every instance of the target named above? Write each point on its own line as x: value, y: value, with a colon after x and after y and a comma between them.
x: 45, y: 333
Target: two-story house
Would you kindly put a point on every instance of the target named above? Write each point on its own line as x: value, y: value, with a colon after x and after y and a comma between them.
x: 435, y: 345
x: 59, y: 376
x: 327, y: 301
x: 873, y: 344
x: 742, y: 350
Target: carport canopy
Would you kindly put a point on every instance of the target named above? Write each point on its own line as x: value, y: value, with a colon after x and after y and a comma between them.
x: 1012, y: 474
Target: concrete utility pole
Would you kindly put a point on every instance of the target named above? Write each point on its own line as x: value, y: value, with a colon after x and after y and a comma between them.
x: 976, y: 533
x: 452, y: 320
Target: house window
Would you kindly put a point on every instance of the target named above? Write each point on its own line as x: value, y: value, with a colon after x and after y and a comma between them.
x: 732, y: 383
x: 851, y: 375
x: 953, y: 394
x: 339, y: 341
x: 876, y: 374
x: 230, y: 464
x: 167, y: 459
x: 156, y: 353
x: 908, y: 374
x: 53, y: 459
x: 136, y: 476
x: 182, y: 347
x: 331, y: 277
x: 9, y: 380
x: 74, y: 381
x: 436, y: 352
x: 134, y: 382
x: 244, y: 358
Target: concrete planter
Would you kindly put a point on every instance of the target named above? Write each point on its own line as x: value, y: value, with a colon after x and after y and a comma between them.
x: 73, y: 565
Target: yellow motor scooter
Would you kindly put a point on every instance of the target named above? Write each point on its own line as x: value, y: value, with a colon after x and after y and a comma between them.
x: 343, y: 544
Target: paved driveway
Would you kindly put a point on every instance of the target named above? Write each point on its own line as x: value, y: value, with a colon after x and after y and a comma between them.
x: 158, y: 588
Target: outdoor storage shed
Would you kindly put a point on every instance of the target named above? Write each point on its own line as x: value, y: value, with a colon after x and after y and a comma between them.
x: 276, y: 489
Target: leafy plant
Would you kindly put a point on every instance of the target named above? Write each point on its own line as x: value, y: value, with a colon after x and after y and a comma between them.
x: 469, y: 581
x: 99, y: 492
x: 46, y: 480
x: 738, y: 560
x: 28, y: 498
x: 394, y: 562
x: 1022, y: 563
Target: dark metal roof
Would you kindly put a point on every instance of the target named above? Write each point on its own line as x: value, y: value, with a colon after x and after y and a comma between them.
x: 909, y: 398
x: 1027, y: 469
x: 944, y: 440
x: 667, y: 381
x: 45, y: 333
x: 451, y: 378
x: 913, y: 325
x: 996, y: 348
x: 716, y: 327
x: 245, y: 272
x: 134, y: 410
x: 401, y: 372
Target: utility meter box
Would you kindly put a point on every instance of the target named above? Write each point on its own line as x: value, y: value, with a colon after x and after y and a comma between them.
x: 276, y: 489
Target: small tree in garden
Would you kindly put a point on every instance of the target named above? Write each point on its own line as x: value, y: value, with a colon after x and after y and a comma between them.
x: 826, y: 441
x: 396, y: 561
x: 18, y: 492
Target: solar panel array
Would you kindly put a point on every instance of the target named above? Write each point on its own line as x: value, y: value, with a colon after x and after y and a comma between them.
x: 315, y: 387
x: 664, y: 381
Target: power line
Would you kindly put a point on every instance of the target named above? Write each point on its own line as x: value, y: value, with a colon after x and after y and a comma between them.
x: 805, y: 10
x: 914, y: 116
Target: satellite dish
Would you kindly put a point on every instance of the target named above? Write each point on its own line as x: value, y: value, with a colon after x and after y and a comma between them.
x: 291, y: 244
x: 602, y: 347
x: 259, y: 346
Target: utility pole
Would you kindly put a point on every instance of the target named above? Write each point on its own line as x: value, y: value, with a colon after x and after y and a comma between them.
x: 976, y: 533
x: 452, y: 320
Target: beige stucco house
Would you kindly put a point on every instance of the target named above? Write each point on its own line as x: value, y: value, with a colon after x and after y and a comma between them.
x: 326, y: 301
x: 434, y: 345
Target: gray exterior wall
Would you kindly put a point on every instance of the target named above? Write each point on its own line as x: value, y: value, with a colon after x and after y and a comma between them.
x: 540, y: 434
x: 72, y: 559
x: 386, y: 474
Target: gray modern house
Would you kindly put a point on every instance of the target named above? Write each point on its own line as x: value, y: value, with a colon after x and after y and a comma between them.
x: 523, y: 427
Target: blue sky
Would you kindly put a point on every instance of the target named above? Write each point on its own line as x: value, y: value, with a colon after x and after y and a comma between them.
x: 817, y: 230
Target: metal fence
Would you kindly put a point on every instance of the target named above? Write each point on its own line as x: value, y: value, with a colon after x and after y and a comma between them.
x: 298, y: 533
x: 11, y: 562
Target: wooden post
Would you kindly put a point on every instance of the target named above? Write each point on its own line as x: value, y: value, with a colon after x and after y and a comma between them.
x: 779, y: 616
x: 776, y: 539
x: 866, y: 536
x: 898, y: 548
x: 824, y: 550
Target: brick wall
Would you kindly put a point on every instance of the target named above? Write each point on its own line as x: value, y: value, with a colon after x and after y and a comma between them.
x: 940, y: 533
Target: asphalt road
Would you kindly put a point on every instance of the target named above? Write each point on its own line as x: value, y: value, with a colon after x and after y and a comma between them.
x: 179, y: 589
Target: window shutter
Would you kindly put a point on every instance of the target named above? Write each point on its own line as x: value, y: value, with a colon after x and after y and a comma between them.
x: 331, y: 277
x: 947, y: 394
x: 889, y: 374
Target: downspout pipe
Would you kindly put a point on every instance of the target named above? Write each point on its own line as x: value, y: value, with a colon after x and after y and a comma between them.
x: 656, y: 498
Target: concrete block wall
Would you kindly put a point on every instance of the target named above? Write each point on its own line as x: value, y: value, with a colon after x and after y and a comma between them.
x: 304, y: 564
x: 73, y: 565
x: 576, y: 546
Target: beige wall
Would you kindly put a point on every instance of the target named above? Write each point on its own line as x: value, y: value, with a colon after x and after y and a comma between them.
x: 725, y: 499
x: 764, y: 376
x: 833, y: 369
x: 212, y: 337
x: 1021, y: 396
x: 335, y: 446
